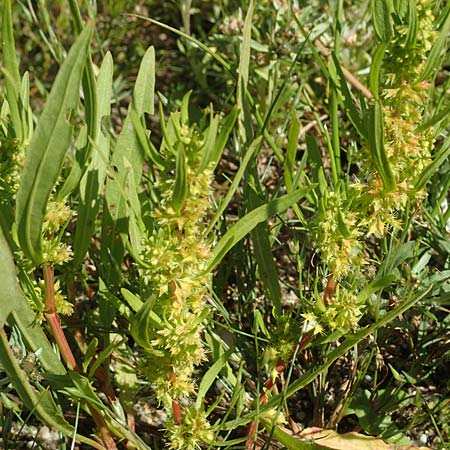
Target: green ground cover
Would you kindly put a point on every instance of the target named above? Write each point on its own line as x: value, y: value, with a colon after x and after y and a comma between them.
x: 224, y: 224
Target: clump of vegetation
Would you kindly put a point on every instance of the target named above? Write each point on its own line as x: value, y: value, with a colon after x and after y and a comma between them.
x: 266, y: 255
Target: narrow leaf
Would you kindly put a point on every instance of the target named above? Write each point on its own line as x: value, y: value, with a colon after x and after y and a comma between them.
x: 144, y: 89
x: 381, y: 19
x: 375, y: 68
x: 91, y: 185
x: 180, y: 188
x: 115, y: 223
x: 437, y: 50
x: 9, y: 290
x: 349, y: 103
x: 292, y: 145
x: 48, y: 147
x: 11, y: 69
x: 146, y: 145
x: 250, y: 221
x: 222, y: 138
x: 440, y: 157
x: 376, y: 147
x: 40, y: 402
x: 411, y: 37
x: 210, y: 376
x: 244, y: 65
x: 252, y: 149
x: 210, y: 141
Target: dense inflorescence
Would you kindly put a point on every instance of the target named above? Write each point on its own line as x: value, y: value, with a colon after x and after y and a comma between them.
x: 367, y: 208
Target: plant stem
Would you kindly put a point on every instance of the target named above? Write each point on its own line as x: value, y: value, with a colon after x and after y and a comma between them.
x: 66, y: 352
x: 53, y: 319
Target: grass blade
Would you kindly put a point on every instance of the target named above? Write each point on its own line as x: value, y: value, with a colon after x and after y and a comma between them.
x: 211, y: 375
x: 247, y: 223
x: 253, y: 148
x: 11, y: 69
x: 48, y: 147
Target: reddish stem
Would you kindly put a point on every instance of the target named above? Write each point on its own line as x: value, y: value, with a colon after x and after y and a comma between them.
x: 176, y: 410
x: 66, y: 352
x: 269, y: 385
x: 330, y: 289
x: 53, y: 319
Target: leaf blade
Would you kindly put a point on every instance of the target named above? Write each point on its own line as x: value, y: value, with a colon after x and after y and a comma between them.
x: 48, y: 147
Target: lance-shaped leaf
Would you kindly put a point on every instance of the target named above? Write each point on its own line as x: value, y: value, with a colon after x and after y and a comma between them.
x: 9, y: 291
x: 376, y: 147
x: 180, y: 188
x: 48, y: 147
x: 247, y: 223
x: 91, y: 184
x: 11, y: 69
x: 381, y: 19
x: 128, y: 149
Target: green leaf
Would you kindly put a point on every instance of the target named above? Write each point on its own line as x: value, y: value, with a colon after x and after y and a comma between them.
x: 291, y: 151
x: 91, y: 184
x: 9, y: 290
x: 439, y: 159
x: 381, y: 19
x: 127, y: 163
x: 48, y: 147
x: 262, y: 250
x: 243, y: 70
x: 375, y: 68
x: 437, y: 51
x: 40, y: 402
x: 411, y: 37
x: 290, y: 442
x: 210, y: 141
x: 210, y: 376
x: 376, y: 147
x: 180, y: 188
x: 133, y: 301
x: 144, y: 324
x: 144, y: 89
x: 72, y: 180
x: 255, y: 146
x: 349, y: 103
x: 250, y: 221
x: 222, y: 138
x: 146, y: 144
x: 376, y: 286
x: 27, y: 113
x: 184, y: 111
x: 11, y: 70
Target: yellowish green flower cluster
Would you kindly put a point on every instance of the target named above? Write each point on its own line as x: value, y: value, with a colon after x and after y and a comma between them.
x: 404, y: 96
x: 341, y: 225
x: 11, y: 162
x: 336, y: 233
x: 57, y: 216
x: 176, y: 253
